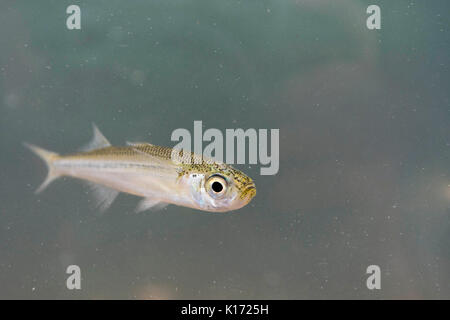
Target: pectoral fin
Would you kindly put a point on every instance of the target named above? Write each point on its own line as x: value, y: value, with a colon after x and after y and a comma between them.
x: 150, y: 203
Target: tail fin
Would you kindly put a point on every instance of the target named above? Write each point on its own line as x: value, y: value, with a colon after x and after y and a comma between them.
x: 48, y: 158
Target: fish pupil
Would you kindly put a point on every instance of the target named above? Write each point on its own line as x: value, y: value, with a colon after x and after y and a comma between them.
x: 217, y: 186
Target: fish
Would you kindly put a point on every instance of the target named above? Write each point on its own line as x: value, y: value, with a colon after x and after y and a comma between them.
x: 150, y: 172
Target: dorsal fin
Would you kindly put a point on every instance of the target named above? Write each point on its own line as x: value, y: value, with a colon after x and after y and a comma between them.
x: 137, y: 147
x: 136, y: 144
x: 98, y: 140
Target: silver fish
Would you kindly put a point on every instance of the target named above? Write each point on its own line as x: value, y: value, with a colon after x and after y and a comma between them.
x: 148, y: 171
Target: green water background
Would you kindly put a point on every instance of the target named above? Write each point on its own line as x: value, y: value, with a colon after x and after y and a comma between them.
x: 364, y: 147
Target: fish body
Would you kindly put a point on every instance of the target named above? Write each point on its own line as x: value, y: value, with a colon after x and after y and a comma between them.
x: 148, y: 171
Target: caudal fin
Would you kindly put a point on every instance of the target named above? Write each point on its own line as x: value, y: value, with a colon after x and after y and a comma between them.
x: 48, y: 158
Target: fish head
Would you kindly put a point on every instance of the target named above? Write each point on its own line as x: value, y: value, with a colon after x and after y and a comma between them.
x: 219, y: 187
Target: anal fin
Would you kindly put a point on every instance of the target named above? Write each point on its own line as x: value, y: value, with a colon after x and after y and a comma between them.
x: 103, y: 196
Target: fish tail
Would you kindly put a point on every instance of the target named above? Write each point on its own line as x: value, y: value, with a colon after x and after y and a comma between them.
x: 48, y: 158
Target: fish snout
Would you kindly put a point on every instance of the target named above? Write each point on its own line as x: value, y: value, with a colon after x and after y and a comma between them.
x: 248, y: 192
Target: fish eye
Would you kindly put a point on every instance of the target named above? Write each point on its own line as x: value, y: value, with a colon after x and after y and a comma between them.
x: 216, y: 186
